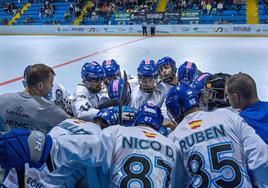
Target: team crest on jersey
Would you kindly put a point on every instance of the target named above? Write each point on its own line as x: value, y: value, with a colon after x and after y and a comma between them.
x: 195, y: 124
x: 149, y: 135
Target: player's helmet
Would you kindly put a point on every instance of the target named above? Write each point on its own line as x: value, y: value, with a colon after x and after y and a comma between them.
x: 199, y: 84
x: 92, y: 71
x: 147, y: 75
x: 60, y: 97
x: 214, y: 91
x: 179, y: 99
x: 187, y: 72
x: 115, y: 88
x: 167, y: 61
x: 150, y: 114
x: 111, y: 68
x: 26, y: 70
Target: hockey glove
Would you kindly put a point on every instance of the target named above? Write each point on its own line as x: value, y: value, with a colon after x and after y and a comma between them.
x: 21, y: 146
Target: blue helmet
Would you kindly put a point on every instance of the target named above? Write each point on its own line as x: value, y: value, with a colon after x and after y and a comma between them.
x: 111, y: 68
x: 115, y: 88
x: 147, y: 75
x: 179, y: 99
x: 147, y: 68
x: 167, y: 61
x: 150, y: 114
x: 92, y: 71
x: 187, y: 72
x: 199, y: 84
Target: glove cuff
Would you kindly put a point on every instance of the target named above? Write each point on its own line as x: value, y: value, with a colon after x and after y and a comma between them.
x: 39, y: 146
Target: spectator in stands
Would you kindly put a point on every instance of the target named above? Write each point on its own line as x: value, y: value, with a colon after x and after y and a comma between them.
x: 238, y: 7
x: 220, y: 7
x: 214, y: 8
x: 29, y: 109
x: 4, y: 21
x: 28, y: 20
x: 77, y: 10
x: 241, y: 92
x: 204, y: 7
x: 67, y: 15
x: 208, y: 8
x: 71, y: 8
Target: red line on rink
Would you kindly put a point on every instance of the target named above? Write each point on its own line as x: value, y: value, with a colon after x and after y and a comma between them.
x: 75, y: 60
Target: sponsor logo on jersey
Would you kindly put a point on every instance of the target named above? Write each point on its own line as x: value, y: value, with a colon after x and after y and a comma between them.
x: 195, y: 124
x: 149, y: 135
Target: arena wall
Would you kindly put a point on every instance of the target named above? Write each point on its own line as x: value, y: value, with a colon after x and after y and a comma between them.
x: 260, y: 30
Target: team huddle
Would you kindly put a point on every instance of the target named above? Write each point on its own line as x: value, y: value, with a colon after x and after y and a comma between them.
x: 164, y: 128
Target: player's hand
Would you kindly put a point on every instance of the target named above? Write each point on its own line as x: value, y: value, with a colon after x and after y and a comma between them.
x: 171, y: 124
x: 21, y: 146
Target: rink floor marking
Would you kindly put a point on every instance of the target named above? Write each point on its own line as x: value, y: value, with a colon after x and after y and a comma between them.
x: 77, y: 59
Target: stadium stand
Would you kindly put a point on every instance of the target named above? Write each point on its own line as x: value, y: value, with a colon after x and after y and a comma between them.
x: 114, y: 12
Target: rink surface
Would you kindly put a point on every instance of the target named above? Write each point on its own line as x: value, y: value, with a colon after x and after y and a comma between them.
x: 68, y: 53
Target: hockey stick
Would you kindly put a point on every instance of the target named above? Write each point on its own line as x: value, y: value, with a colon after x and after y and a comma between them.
x: 122, y: 98
x: 21, y: 176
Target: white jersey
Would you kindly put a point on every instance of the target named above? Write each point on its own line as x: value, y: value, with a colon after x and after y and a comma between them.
x: 133, y: 82
x: 139, y: 155
x: 66, y: 153
x: 219, y: 149
x: 167, y: 87
x: 117, y: 149
x: 138, y: 97
x: 85, y: 103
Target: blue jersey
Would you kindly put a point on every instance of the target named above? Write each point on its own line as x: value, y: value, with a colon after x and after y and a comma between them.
x: 256, y: 115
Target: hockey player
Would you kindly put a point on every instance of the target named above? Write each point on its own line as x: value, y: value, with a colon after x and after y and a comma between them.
x: 214, y: 97
x: 148, y: 89
x: 112, y: 71
x: 241, y: 92
x: 167, y: 71
x: 219, y: 149
x: 188, y: 72
x: 59, y: 171
x: 133, y: 156
x: 86, y: 96
x: 29, y: 109
x: 199, y: 88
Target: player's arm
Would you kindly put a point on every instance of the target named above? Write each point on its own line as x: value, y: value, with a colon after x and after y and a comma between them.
x: 21, y: 146
x: 76, y: 140
x: 82, y: 108
x: 256, y: 153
